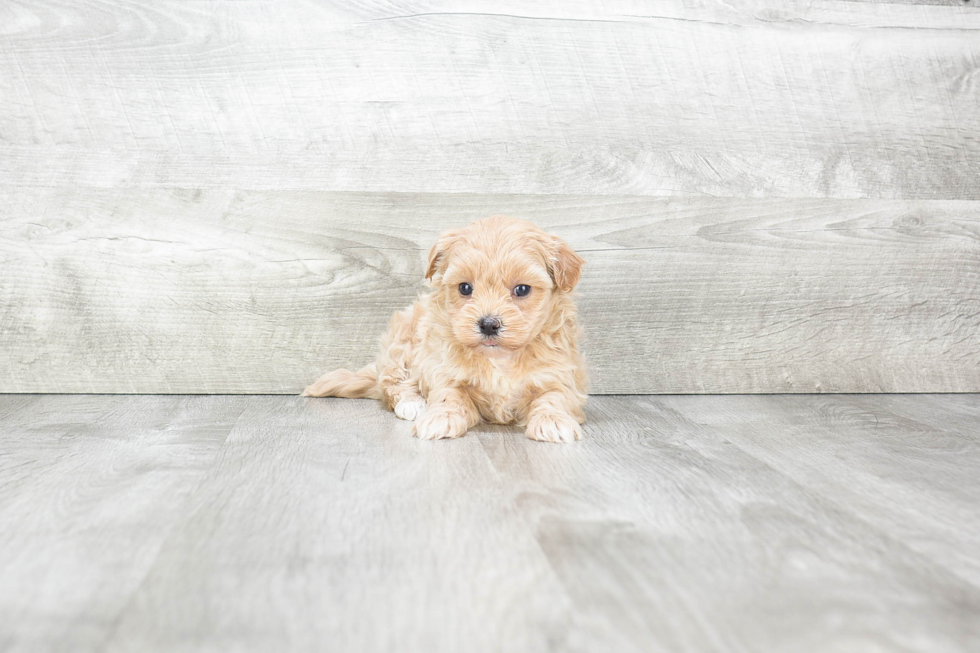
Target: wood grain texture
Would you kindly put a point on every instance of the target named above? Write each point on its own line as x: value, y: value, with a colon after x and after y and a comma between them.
x: 231, y: 196
x: 880, y: 447
x: 10, y: 404
x: 90, y: 488
x: 259, y: 292
x: 670, y: 536
x: 797, y: 524
x: 755, y: 98
x: 386, y: 544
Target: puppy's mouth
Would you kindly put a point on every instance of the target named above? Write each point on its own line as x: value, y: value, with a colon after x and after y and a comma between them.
x: 492, y: 344
x: 492, y: 348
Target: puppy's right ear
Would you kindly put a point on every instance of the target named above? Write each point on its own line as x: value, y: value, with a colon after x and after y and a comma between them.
x: 439, y: 254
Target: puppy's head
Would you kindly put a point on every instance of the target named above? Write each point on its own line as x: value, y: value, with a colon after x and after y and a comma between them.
x: 498, y: 280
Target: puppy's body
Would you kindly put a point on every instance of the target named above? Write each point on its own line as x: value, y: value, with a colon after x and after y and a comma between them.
x: 494, y: 353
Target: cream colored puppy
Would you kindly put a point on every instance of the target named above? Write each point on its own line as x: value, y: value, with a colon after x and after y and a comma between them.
x: 496, y: 339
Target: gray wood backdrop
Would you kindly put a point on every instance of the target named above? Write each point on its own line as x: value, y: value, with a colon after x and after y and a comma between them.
x: 232, y: 196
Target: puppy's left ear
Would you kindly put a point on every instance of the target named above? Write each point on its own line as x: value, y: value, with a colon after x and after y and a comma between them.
x: 566, y: 265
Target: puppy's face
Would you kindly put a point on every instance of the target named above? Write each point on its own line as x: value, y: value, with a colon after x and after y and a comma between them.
x: 497, y: 280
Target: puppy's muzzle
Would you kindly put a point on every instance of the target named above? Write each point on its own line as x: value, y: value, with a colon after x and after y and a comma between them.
x: 489, y: 326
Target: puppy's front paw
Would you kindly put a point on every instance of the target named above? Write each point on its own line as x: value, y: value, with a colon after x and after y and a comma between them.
x: 553, y: 427
x: 410, y: 409
x: 439, y: 423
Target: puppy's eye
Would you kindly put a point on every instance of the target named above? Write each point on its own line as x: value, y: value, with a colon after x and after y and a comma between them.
x: 522, y: 290
x: 465, y: 289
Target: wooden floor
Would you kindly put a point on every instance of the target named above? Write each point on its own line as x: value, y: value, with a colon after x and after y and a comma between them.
x: 681, y: 523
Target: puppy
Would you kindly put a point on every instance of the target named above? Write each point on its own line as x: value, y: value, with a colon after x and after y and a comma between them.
x: 495, y: 340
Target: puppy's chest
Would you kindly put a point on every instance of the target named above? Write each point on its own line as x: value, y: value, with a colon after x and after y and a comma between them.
x: 500, y: 393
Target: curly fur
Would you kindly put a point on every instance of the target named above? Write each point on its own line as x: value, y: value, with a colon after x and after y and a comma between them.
x: 436, y: 366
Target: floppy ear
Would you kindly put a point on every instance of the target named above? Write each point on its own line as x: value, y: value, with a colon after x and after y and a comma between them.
x: 439, y: 254
x: 566, y: 265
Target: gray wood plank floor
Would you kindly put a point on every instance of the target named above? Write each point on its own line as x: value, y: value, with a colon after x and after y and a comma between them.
x: 681, y: 523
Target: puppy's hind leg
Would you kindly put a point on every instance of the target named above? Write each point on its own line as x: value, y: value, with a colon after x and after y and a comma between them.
x: 399, y: 386
x: 389, y: 378
x: 410, y: 407
x: 362, y: 384
x: 401, y: 394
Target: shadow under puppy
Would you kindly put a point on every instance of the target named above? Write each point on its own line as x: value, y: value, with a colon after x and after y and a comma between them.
x: 496, y: 339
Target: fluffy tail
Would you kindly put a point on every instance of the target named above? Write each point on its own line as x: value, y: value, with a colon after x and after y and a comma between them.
x: 344, y: 383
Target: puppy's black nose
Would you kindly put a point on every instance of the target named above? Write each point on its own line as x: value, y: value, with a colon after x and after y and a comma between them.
x: 489, y: 326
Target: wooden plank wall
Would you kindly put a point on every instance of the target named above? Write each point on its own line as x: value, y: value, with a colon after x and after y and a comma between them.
x: 232, y: 196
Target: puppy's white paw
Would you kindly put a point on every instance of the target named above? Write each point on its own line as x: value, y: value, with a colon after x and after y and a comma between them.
x: 409, y: 409
x: 439, y: 423
x: 553, y: 427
